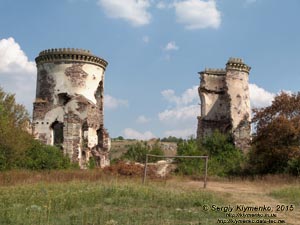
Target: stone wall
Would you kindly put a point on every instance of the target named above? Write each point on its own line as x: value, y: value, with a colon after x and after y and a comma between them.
x: 225, y: 102
x: 70, y: 91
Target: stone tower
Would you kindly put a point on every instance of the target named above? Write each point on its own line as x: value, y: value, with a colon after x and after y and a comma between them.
x: 225, y: 102
x: 68, y: 109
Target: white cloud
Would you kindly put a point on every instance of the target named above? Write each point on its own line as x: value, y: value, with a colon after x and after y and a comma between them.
x: 130, y: 133
x: 13, y: 59
x: 133, y: 11
x: 113, y: 103
x: 180, y: 114
x: 197, y: 14
x: 188, y: 96
x: 260, y: 97
x: 171, y: 46
x: 181, y: 133
x: 146, y: 39
x: 142, y: 119
x: 185, y: 106
x: 17, y: 72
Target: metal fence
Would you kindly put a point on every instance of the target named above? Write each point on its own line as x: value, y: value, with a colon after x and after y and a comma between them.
x: 187, y: 157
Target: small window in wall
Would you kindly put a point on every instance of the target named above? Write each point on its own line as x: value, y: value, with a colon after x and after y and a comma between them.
x: 63, y: 98
x: 58, y: 133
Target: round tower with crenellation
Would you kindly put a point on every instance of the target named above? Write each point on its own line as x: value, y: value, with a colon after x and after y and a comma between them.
x: 68, y: 109
x: 237, y: 81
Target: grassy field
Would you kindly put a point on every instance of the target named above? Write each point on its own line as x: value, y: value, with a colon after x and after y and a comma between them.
x: 106, y: 201
x: 92, y: 197
x: 289, y: 195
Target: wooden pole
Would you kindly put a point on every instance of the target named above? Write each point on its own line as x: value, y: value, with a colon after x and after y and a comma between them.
x: 145, y: 169
x: 205, y: 177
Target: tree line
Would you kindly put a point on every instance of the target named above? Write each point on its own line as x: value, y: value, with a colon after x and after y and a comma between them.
x: 275, y: 145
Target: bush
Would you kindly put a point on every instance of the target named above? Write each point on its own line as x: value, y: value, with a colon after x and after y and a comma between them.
x: 137, y: 152
x: 224, y: 158
x: 45, y: 157
x: 92, y: 164
x: 188, y: 166
x: 293, y: 167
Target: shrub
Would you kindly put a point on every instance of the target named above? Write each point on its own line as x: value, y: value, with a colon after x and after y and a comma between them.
x: 92, y: 164
x: 137, y: 152
x: 188, y: 166
x: 41, y: 157
x: 224, y: 158
x: 293, y: 167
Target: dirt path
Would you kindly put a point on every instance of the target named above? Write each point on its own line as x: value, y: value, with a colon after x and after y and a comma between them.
x: 251, y: 194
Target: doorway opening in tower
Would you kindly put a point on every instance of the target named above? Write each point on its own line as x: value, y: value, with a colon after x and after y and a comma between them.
x: 58, y: 133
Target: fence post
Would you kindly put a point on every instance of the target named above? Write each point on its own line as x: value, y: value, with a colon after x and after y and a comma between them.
x: 205, y: 177
x: 145, y: 169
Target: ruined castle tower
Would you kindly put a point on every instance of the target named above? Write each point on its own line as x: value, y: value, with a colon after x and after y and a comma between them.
x: 68, y: 109
x: 225, y: 102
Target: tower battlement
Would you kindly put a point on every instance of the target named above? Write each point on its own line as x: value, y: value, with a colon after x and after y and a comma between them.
x: 71, y: 55
x: 237, y: 64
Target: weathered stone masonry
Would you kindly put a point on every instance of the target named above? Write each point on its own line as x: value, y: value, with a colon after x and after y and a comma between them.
x: 225, y: 102
x: 68, y: 110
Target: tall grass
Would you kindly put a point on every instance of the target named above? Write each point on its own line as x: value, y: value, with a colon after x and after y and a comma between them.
x: 14, y: 177
x: 44, y: 199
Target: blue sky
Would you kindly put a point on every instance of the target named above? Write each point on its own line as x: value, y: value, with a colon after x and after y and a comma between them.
x: 155, y: 50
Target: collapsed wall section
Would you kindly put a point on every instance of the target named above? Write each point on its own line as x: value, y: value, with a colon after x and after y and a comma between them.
x: 214, y: 103
x: 68, y: 110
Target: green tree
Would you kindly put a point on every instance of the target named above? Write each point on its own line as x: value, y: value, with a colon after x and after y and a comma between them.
x: 14, y: 140
x: 18, y: 149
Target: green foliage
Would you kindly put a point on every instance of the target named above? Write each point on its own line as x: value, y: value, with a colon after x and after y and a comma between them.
x: 224, y: 158
x: 14, y: 140
x: 171, y: 139
x: 189, y: 166
x: 18, y: 149
x: 45, y: 157
x: 155, y: 150
x: 137, y: 152
x: 293, y: 167
x: 92, y: 163
x: 10, y: 110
